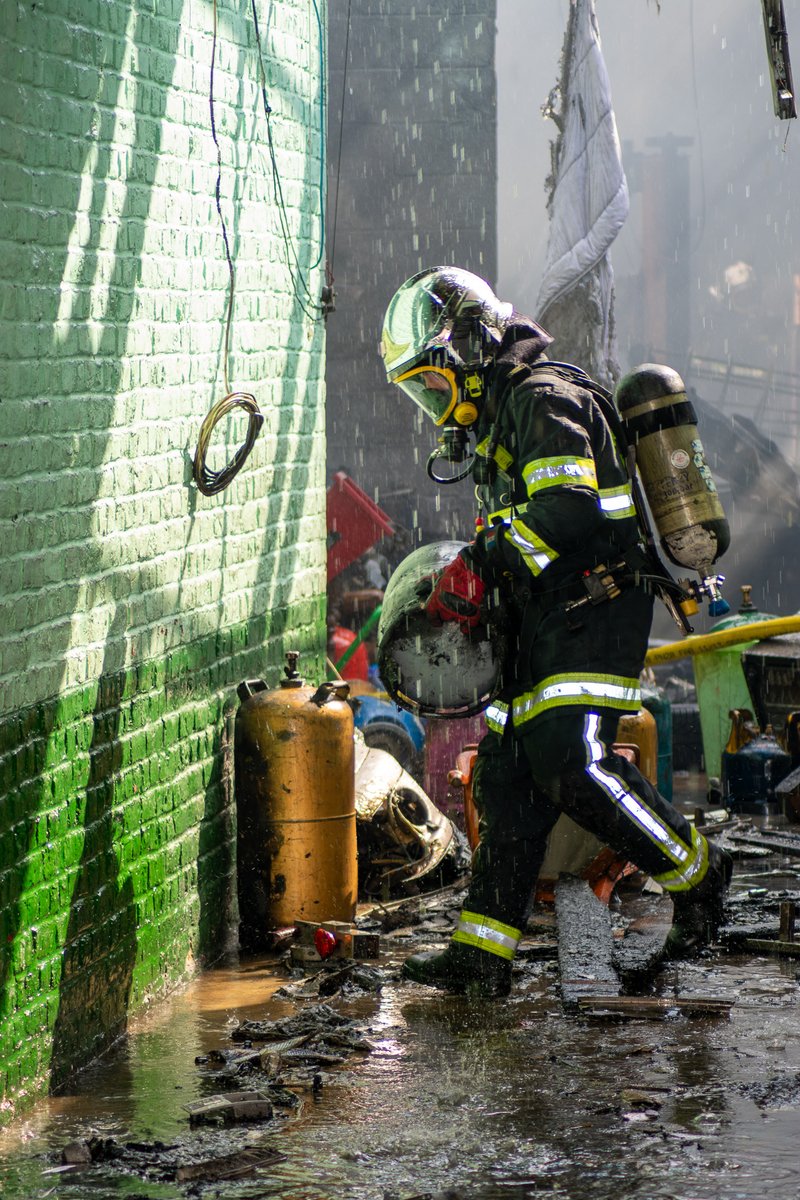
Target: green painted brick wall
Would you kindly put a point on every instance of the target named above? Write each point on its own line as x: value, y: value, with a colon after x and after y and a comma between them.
x: 130, y: 605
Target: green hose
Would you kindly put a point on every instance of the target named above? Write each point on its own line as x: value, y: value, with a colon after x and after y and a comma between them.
x: 351, y: 649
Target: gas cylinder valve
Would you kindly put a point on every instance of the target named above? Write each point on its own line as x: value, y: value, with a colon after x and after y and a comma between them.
x: 710, y: 586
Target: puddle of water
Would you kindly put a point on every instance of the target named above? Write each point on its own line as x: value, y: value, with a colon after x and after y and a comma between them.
x: 511, y: 1099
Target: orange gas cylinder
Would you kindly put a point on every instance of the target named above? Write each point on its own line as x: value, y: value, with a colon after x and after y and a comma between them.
x: 295, y: 804
x: 639, y: 730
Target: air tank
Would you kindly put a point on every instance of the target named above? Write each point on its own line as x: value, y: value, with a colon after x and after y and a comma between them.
x: 661, y: 424
x: 295, y: 803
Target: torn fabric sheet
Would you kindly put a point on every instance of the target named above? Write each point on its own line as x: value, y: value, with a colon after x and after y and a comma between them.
x: 589, y: 201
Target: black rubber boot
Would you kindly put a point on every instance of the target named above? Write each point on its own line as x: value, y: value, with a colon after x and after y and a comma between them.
x: 699, y: 912
x: 463, y: 970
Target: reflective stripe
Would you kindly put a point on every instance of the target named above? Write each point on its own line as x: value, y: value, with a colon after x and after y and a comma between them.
x: 559, y: 472
x: 690, y: 866
x: 605, y: 691
x: 617, y: 503
x: 501, y: 456
x: 692, y: 872
x: 536, y: 552
x: 497, y: 716
x: 487, y: 934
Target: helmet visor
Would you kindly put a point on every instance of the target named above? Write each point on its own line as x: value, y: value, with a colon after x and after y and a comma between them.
x: 434, y: 389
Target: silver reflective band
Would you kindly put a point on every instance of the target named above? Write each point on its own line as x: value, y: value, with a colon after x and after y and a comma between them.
x: 482, y: 930
x: 579, y: 690
x: 614, y: 788
x: 541, y: 559
x: 497, y: 715
x: 616, y: 503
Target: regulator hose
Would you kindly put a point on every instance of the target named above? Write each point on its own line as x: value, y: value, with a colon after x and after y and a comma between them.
x: 755, y: 631
x: 210, y: 482
x: 445, y: 479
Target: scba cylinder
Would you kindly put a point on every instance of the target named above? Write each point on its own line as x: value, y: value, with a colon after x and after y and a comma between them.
x: 661, y: 424
x: 295, y: 805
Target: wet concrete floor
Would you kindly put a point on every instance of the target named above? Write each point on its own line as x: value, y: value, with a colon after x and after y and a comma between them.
x: 505, y: 1099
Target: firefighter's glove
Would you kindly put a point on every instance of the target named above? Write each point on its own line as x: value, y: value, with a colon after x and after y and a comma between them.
x: 456, y: 596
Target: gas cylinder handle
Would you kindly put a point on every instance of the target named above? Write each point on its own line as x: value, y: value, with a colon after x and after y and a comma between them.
x: 250, y: 687
x: 332, y: 689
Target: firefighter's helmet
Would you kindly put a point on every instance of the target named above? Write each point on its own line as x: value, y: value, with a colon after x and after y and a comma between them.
x: 441, y: 328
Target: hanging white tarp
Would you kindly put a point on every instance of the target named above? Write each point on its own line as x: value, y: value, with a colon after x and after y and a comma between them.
x: 589, y: 201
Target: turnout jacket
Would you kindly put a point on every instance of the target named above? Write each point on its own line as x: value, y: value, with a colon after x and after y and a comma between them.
x: 560, y: 504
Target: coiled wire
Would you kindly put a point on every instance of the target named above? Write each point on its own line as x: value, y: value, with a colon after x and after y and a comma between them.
x: 210, y: 482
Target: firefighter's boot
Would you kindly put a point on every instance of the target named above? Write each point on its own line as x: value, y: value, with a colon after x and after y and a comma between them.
x: 463, y: 970
x: 698, y: 913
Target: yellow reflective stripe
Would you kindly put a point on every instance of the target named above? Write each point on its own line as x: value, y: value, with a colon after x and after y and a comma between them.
x: 635, y: 808
x: 484, y: 933
x: 500, y: 514
x: 617, y: 503
x: 501, y: 455
x: 575, y: 687
x: 559, y: 472
x: 536, y: 552
x: 692, y: 871
x: 497, y: 716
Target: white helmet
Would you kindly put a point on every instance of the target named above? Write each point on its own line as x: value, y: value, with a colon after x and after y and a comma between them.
x: 439, y: 327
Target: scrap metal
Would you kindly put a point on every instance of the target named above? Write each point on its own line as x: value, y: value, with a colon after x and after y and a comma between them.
x: 780, y: 68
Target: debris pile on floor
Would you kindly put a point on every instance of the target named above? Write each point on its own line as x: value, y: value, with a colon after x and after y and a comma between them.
x: 350, y: 979
x: 295, y: 1048
x: 279, y: 1060
x: 183, y: 1161
x: 762, y: 919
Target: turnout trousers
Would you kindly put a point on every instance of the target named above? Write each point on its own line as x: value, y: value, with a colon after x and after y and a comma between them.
x: 561, y: 762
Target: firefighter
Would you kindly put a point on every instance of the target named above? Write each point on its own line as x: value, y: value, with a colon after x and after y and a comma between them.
x: 556, y: 508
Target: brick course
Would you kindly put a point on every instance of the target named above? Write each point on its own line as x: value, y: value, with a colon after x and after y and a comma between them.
x: 131, y: 605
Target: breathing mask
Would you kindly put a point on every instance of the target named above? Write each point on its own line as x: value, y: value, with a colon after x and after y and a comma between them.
x: 441, y: 331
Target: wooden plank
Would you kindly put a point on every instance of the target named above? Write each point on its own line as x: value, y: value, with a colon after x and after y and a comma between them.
x: 773, y: 946
x: 585, y: 942
x: 230, y: 1166
x: 788, y: 844
x: 654, y: 1006
x: 640, y: 951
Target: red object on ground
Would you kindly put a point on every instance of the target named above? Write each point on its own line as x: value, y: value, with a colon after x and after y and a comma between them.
x: 354, y: 523
x: 356, y: 667
x: 325, y: 943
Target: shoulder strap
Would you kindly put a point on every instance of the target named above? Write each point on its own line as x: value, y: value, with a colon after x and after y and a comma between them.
x: 540, y: 374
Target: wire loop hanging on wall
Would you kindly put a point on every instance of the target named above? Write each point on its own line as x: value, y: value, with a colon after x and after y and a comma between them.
x: 210, y: 482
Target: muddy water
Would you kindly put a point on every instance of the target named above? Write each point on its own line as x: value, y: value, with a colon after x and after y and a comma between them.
x: 502, y: 1100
